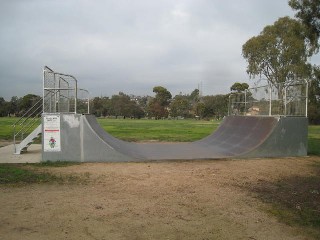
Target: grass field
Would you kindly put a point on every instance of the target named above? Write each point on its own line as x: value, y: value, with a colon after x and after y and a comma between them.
x: 161, y: 130
x: 6, y: 130
x: 314, y: 140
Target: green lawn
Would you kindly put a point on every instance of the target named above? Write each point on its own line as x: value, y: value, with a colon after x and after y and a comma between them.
x: 314, y: 140
x: 6, y: 131
x: 161, y: 130
x: 6, y: 127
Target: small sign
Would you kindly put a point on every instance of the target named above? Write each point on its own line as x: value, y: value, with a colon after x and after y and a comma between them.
x: 51, y: 133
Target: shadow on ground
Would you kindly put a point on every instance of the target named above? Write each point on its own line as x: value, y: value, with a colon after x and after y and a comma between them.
x: 294, y: 200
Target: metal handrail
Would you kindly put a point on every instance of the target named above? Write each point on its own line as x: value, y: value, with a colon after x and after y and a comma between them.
x: 30, y: 125
x: 88, y: 99
x: 24, y: 125
x: 33, y: 113
x: 25, y: 120
x: 27, y: 112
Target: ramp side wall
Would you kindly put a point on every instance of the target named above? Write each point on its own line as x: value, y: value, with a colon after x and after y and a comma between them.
x: 80, y: 143
x: 69, y: 137
x: 288, y: 139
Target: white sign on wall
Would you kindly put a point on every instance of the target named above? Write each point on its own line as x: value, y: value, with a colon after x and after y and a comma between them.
x: 51, y: 133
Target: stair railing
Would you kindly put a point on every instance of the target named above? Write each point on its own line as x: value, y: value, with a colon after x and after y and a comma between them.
x: 26, y: 122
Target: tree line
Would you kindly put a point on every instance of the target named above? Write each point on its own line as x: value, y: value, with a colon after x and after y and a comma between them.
x: 161, y: 106
x: 17, y: 106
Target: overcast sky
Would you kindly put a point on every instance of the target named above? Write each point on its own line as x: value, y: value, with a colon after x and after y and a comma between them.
x: 130, y: 45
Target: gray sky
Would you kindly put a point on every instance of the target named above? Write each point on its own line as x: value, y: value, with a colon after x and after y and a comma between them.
x: 130, y: 45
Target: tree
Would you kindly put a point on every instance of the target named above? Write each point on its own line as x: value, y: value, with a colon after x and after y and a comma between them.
x: 180, y: 106
x: 156, y: 110
x: 239, y: 87
x: 195, y: 96
x: 163, y: 96
x: 158, y: 107
x: 215, y: 106
x: 198, y: 109
x: 118, y: 104
x: 3, y: 107
x: 96, y: 106
x: 308, y: 11
x: 28, y: 101
x: 82, y: 106
x: 143, y: 101
x: 279, y: 52
x: 14, y: 103
x: 122, y: 105
x: 314, y: 98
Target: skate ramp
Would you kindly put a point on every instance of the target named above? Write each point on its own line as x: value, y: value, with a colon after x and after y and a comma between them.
x: 236, y: 137
x: 84, y: 140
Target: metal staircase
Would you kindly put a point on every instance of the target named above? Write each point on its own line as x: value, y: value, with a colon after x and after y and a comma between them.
x: 25, y: 143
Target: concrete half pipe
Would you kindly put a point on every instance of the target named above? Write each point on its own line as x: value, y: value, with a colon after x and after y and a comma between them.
x: 83, y: 139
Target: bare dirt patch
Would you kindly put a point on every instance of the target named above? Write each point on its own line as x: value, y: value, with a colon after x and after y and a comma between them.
x: 4, y: 143
x: 155, y: 200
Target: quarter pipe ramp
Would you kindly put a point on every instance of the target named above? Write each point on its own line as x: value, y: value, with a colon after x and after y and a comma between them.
x: 83, y: 139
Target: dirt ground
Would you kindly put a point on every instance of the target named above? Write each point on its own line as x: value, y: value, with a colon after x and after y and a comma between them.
x: 5, y: 142
x: 153, y: 200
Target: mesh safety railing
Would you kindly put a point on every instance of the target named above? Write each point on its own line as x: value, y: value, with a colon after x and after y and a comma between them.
x: 286, y: 99
x: 61, y: 93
